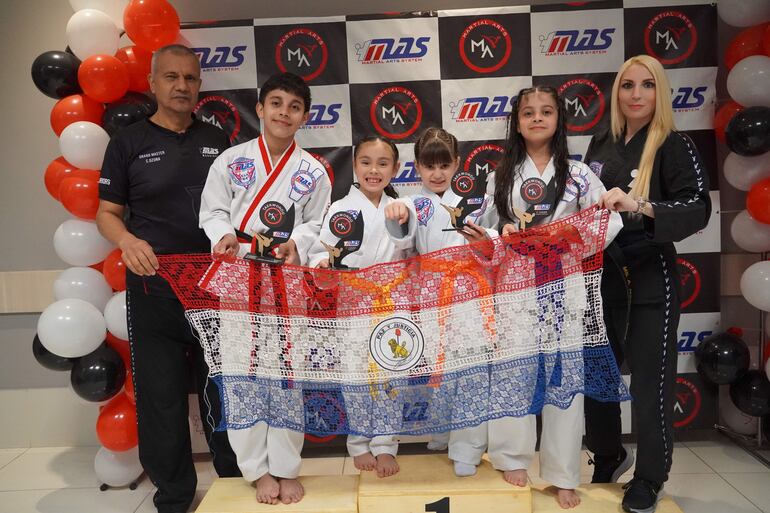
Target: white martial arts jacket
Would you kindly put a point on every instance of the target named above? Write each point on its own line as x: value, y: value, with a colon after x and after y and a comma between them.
x: 243, y: 178
x: 427, y: 219
x: 376, y: 246
x: 582, y: 190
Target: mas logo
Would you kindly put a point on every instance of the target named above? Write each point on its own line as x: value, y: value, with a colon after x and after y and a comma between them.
x: 323, y: 116
x: 481, y: 108
x: 688, y: 99
x: 389, y: 50
x: 303, y: 52
x: 483, y: 159
x: 687, y: 403
x: 485, y: 46
x: 396, y: 112
x: 576, y: 42
x: 221, y: 58
x: 670, y: 37
x: 585, y: 104
x: 396, y: 344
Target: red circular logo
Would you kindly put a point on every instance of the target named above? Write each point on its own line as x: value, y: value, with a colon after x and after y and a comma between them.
x: 220, y: 112
x: 690, y: 281
x: 484, y: 158
x: 485, y: 46
x: 687, y: 402
x: 302, y: 52
x: 396, y: 112
x: 341, y: 224
x: 271, y: 214
x: 462, y: 183
x: 585, y: 104
x: 533, y: 190
x: 670, y: 37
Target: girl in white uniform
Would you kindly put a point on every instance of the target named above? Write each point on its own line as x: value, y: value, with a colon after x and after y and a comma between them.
x: 424, y: 221
x: 537, y: 183
x: 375, y: 164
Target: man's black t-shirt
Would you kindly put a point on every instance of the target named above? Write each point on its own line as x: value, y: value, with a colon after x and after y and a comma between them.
x: 159, y: 175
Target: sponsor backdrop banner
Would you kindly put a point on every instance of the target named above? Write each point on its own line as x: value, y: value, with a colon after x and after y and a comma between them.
x: 397, y: 74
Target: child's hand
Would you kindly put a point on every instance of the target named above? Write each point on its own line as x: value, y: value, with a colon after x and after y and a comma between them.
x: 509, y: 229
x: 226, y: 247
x: 397, y: 211
x: 323, y: 264
x: 473, y: 232
x: 288, y: 252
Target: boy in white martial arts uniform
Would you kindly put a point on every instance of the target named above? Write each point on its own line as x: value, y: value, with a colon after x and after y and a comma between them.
x: 428, y: 220
x: 375, y: 163
x: 537, y: 177
x: 269, y: 168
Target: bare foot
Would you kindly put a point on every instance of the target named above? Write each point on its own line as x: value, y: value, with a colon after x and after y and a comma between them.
x: 516, y: 477
x: 267, y: 489
x: 365, y: 461
x: 291, y: 491
x: 386, y: 465
x: 567, y: 498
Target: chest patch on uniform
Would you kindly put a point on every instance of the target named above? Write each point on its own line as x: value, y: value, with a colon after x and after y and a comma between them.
x: 304, y: 181
x: 242, y: 172
x: 425, y: 209
x: 596, y: 167
x: 577, y: 184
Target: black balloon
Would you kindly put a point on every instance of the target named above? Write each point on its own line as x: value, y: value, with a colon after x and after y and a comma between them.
x: 751, y: 393
x: 129, y: 109
x: 56, y: 74
x: 748, y: 132
x: 99, y: 375
x: 49, y: 360
x: 722, y: 358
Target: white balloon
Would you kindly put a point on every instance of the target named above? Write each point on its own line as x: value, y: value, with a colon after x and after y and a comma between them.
x: 755, y: 285
x: 744, y: 13
x: 78, y: 242
x: 82, y: 144
x: 750, y: 234
x: 91, y: 32
x: 71, y: 327
x: 112, y: 8
x: 735, y: 418
x: 749, y: 81
x: 117, y: 468
x: 115, y: 316
x: 83, y: 283
x: 743, y: 172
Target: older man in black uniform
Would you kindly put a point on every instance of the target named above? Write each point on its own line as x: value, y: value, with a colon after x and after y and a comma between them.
x: 157, y: 168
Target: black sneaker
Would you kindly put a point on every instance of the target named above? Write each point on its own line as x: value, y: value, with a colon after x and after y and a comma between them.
x: 608, y: 469
x: 641, y: 496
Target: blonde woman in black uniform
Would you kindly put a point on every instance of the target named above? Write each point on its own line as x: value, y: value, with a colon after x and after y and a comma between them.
x: 654, y: 177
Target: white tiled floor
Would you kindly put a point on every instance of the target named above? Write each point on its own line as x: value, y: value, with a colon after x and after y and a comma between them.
x: 707, y: 477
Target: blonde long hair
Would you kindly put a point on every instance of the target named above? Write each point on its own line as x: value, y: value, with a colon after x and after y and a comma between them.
x: 660, y: 126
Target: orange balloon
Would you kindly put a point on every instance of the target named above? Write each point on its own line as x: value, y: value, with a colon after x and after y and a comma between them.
x: 723, y: 116
x: 151, y: 23
x: 122, y: 347
x: 115, y: 270
x: 56, y: 171
x: 80, y: 196
x: 748, y: 42
x: 758, y: 201
x: 137, y: 61
x: 103, y: 78
x: 74, y: 108
x: 128, y: 386
x: 116, y: 425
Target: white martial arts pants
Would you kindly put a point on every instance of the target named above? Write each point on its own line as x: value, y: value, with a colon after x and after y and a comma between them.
x: 384, y: 444
x: 261, y: 449
x: 510, y: 442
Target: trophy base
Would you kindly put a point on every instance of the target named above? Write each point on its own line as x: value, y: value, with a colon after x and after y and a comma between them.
x: 452, y: 230
x: 263, y: 259
x: 343, y: 268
